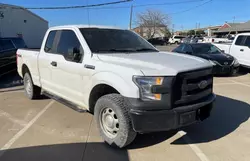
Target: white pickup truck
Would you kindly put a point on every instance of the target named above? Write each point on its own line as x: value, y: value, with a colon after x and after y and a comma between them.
x: 128, y: 84
x: 239, y: 48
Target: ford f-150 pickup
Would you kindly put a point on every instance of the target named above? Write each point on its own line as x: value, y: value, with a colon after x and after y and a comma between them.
x: 239, y: 48
x: 122, y: 79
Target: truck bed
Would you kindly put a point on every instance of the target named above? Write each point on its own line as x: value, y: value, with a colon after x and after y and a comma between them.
x: 224, y: 46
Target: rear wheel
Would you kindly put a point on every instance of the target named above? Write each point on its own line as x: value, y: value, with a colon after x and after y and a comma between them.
x: 176, y: 42
x: 30, y: 89
x: 113, y: 121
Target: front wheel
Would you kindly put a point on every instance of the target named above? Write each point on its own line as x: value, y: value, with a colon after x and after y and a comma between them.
x: 111, y: 115
x: 30, y: 89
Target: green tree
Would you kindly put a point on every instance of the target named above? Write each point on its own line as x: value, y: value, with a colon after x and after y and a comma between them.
x: 200, y: 32
x: 191, y: 32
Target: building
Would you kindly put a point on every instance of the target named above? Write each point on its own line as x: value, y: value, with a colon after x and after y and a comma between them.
x: 228, y: 25
x: 234, y: 28
x: 151, y: 31
x: 16, y: 21
x: 209, y: 30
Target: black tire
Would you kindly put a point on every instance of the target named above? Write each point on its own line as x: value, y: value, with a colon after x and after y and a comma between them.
x: 176, y: 43
x: 34, y: 91
x: 126, y: 134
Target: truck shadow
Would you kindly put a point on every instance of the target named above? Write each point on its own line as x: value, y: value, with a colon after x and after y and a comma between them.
x: 227, y: 115
x: 66, y: 152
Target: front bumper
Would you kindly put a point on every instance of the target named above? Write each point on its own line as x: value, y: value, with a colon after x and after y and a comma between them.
x: 224, y: 70
x: 162, y: 120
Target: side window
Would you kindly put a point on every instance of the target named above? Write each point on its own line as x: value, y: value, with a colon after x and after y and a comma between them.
x: 49, y: 42
x: 6, y: 45
x: 69, y: 46
x: 179, y: 48
x: 187, y: 49
x: 240, y: 40
x: 247, y: 42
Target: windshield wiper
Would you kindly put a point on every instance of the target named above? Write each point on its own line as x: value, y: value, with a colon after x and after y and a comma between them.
x: 145, y: 49
x: 123, y: 50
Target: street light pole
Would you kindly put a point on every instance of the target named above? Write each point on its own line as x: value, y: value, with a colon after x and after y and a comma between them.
x: 131, y: 17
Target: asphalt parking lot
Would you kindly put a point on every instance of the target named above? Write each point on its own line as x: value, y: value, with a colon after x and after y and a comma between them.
x: 47, y: 130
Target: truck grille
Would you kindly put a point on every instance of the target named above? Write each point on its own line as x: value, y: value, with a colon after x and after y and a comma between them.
x: 192, y: 87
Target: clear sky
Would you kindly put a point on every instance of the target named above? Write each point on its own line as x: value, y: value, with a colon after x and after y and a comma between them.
x: 215, y: 12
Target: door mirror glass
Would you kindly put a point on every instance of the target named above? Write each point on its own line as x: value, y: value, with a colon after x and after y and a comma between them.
x: 223, y: 51
x: 188, y: 52
x: 74, y: 54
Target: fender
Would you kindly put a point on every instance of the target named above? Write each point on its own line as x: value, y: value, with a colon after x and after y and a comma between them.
x: 125, y: 87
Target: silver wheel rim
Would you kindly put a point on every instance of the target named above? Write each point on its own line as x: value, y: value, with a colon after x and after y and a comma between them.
x: 109, y: 122
x: 28, y: 86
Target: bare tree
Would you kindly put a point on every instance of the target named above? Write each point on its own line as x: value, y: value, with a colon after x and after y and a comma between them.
x: 152, y: 22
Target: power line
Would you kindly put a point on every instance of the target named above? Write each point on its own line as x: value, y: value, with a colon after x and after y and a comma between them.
x: 97, y: 6
x: 190, y: 8
x: 152, y: 4
x: 168, y: 3
x: 70, y: 7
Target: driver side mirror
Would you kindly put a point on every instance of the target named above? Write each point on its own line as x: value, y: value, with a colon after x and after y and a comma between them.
x: 74, y: 54
x: 188, y: 52
x: 223, y: 51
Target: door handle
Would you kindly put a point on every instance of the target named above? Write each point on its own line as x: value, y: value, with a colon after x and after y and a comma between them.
x: 53, y: 63
x: 241, y: 49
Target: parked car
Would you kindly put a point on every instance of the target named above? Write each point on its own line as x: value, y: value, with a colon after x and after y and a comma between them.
x: 158, y: 41
x: 8, y: 48
x: 128, y: 84
x: 218, y: 40
x: 176, y: 39
x: 222, y: 63
x: 190, y: 40
x: 240, y: 48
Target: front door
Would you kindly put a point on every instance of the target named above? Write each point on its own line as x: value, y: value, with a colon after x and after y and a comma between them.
x: 246, y: 51
x: 67, y: 72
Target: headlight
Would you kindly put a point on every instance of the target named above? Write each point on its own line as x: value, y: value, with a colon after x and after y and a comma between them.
x: 236, y: 62
x: 145, y: 84
x: 212, y: 62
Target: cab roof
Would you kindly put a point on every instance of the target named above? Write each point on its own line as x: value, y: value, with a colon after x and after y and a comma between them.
x: 84, y: 26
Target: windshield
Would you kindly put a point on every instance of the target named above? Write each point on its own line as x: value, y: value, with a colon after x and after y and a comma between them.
x: 205, y: 49
x: 114, y: 40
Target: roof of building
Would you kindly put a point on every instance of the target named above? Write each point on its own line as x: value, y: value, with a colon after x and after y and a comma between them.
x: 233, y: 24
x: 2, y: 5
x: 239, y: 27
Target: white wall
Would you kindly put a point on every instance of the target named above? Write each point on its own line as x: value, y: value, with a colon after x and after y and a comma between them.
x: 13, y: 23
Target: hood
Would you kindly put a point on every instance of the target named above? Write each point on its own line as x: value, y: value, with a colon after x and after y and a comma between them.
x: 156, y: 63
x: 220, y: 58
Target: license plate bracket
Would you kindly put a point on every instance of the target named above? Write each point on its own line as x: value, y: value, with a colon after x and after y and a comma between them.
x: 188, y: 117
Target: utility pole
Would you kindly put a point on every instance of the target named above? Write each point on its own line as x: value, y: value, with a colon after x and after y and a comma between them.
x: 195, y: 28
x: 173, y: 29
x: 131, y: 17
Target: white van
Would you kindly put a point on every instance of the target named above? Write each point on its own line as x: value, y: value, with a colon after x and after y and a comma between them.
x: 176, y: 39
